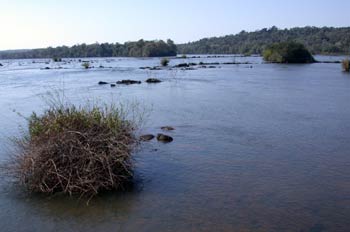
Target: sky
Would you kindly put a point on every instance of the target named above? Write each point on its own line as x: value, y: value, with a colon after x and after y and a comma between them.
x: 39, y: 23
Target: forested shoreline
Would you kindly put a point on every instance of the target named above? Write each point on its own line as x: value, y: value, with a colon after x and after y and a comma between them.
x: 325, y: 40
x: 141, y: 48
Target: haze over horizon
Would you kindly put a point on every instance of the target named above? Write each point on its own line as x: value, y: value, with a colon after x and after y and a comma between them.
x: 37, y: 24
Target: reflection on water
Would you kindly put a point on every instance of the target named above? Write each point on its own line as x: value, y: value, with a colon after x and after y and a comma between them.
x: 256, y: 149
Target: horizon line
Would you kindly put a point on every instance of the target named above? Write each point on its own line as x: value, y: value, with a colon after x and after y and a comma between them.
x: 216, y: 36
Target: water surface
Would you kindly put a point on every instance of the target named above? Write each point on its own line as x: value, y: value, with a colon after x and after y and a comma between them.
x: 261, y: 148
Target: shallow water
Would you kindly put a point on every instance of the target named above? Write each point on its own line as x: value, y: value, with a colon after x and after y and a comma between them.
x: 255, y: 149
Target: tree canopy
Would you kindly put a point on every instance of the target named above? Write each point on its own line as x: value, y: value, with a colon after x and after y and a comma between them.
x: 325, y: 40
x: 140, y: 48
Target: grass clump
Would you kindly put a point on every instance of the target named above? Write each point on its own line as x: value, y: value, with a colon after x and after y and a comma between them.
x: 57, y: 59
x: 75, y: 150
x: 164, y: 62
x: 86, y: 65
x: 288, y: 52
x: 346, y: 65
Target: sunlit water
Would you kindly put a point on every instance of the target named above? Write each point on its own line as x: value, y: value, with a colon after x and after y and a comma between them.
x: 265, y: 148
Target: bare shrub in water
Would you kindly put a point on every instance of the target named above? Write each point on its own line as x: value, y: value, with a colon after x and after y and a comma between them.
x: 86, y: 65
x: 346, y: 65
x: 75, y: 150
x: 164, y: 62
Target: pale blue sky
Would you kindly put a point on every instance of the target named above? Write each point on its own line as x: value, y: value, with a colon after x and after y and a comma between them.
x: 38, y: 23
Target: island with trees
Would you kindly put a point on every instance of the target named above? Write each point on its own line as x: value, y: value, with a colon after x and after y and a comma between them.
x: 288, y: 52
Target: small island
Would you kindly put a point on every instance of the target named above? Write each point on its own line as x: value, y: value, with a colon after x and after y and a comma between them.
x: 288, y: 52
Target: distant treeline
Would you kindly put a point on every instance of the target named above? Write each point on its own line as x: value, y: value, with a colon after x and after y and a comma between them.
x: 325, y: 40
x: 141, y: 48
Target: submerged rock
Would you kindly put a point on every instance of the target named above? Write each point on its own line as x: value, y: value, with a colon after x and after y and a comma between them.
x: 153, y: 80
x: 113, y: 85
x: 164, y: 138
x: 188, y: 69
x: 167, y: 128
x: 182, y: 65
x: 103, y: 83
x: 155, y: 68
x: 128, y: 82
x: 148, y: 137
x: 1, y: 64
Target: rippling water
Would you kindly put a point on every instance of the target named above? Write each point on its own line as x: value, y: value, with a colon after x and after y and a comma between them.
x: 255, y: 149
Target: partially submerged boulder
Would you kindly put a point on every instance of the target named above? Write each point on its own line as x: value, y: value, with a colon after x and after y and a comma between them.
x: 164, y: 138
x: 128, y: 82
x: 147, y: 137
x: 103, y: 83
x: 167, y: 128
x: 155, y: 68
x: 182, y: 65
x: 153, y: 80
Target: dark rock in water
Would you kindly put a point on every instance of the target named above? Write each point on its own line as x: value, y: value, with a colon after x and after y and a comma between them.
x: 212, y: 67
x: 101, y: 66
x: 210, y: 63
x: 164, y: 138
x: 182, y: 65
x: 47, y: 68
x: 128, y: 82
x: 146, y: 137
x: 324, y: 62
x: 236, y: 63
x: 103, y: 83
x: 167, y: 128
x: 188, y: 69
x: 155, y: 68
x: 153, y: 80
x: 1, y: 64
x: 113, y: 85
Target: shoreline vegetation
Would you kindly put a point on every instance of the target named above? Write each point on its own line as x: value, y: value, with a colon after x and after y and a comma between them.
x: 141, y: 48
x: 318, y: 40
x: 323, y: 41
